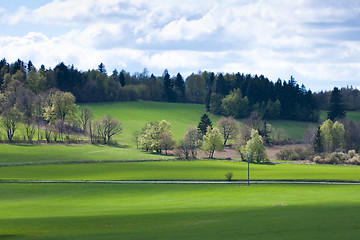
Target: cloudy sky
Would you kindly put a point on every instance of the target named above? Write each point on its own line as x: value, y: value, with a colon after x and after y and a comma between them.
x: 318, y: 42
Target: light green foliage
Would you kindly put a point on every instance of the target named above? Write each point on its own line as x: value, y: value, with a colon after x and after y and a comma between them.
x: 35, y: 81
x: 213, y: 141
x: 234, y: 105
x: 9, y: 120
x: 255, y: 147
x: 332, y: 135
x: 152, y: 134
x: 61, y: 105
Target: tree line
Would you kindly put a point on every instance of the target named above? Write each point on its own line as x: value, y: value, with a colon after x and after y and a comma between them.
x: 233, y: 94
x: 350, y: 97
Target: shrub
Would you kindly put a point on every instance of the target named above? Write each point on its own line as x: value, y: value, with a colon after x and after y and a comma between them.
x: 229, y: 176
x: 317, y: 159
x: 351, y: 153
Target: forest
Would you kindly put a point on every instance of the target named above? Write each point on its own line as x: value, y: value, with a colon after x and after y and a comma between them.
x: 229, y: 94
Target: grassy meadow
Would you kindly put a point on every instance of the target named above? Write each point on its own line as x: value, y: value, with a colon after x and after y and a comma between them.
x: 144, y: 211
x: 168, y: 211
x: 179, y: 170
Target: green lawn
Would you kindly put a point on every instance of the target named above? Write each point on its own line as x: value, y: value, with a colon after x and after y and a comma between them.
x: 143, y: 211
x: 62, y: 153
x: 179, y: 170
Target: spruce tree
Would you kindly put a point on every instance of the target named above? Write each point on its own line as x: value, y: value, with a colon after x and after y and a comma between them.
x: 204, y: 123
x: 336, y: 105
x: 318, y: 145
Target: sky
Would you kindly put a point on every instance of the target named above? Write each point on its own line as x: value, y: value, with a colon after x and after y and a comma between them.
x: 316, y: 41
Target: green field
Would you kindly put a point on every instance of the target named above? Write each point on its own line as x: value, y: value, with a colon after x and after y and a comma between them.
x: 134, y: 115
x: 179, y: 170
x: 143, y: 211
x: 168, y: 211
x: 70, y: 153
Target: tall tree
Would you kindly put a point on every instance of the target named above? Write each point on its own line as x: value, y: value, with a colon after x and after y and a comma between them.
x: 204, y: 123
x: 179, y: 86
x: 213, y: 141
x: 168, y: 92
x: 336, y: 105
x: 101, y: 68
x: 122, y: 79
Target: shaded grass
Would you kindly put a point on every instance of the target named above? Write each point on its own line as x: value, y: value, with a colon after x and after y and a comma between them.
x: 142, y: 211
x: 10, y: 153
x: 179, y: 170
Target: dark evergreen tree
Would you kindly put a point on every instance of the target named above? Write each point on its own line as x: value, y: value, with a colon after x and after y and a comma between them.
x: 317, y: 144
x: 221, y: 85
x: 207, y: 100
x: 179, y: 86
x: 168, y: 92
x: 336, y: 105
x: 30, y: 66
x: 101, y: 68
x: 122, y: 79
x: 204, y: 123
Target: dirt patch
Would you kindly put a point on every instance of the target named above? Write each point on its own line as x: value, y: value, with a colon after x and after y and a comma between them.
x: 231, y: 152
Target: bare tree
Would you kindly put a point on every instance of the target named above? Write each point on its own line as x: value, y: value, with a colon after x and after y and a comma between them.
x: 191, y: 143
x: 85, y: 117
x: 228, y: 127
x: 107, y: 127
x: 167, y: 142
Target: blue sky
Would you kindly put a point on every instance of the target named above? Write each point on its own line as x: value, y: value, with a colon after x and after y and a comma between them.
x: 318, y: 42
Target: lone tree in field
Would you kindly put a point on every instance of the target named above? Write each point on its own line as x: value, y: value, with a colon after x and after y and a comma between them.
x: 107, y: 127
x: 213, y: 141
x: 336, y: 105
x: 204, y: 123
x: 228, y: 128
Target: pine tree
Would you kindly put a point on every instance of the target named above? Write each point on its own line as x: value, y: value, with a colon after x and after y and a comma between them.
x: 336, y: 105
x: 122, y: 79
x: 168, y: 93
x: 318, y: 145
x: 204, y: 123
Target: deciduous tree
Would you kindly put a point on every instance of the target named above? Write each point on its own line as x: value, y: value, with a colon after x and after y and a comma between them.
x: 213, y: 141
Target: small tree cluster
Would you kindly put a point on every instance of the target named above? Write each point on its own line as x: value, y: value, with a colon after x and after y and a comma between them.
x: 190, y: 144
x: 156, y: 137
x: 329, y: 137
x: 254, y: 148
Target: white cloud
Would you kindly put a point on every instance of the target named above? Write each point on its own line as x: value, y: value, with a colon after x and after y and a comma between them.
x: 312, y: 40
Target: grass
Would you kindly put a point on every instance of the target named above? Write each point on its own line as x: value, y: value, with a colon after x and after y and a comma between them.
x: 293, y: 129
x: 62, y: 153
x: 134, y: 115
x: 179, y: 170
x: 142, y: 211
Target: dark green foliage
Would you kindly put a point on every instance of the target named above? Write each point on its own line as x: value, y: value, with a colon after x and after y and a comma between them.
x: 122, y: 79
x: 101, y: 68
x: 204, y: 123
x: 336, y: 105
x: 179, y: 87
x: 318, y: 145
x: 168, y: 92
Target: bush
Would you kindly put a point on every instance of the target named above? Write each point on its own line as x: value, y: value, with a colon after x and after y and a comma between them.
x: 294, y: 154
x: 229, y: 176
x: 351, y: 153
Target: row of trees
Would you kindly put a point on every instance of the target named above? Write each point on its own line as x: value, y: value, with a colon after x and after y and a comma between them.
x: 53, y: 114
x: 349, y: 95
x: 157, y: 137
x: 234, y: 95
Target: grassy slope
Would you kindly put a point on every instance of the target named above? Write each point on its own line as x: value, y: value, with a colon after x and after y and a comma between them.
x: 134, y: 115
x: 94, y: 211
x: 179, y: 170
x: 54, y: 153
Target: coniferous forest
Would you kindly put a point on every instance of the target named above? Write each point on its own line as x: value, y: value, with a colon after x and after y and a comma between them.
x: 229, y: 94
